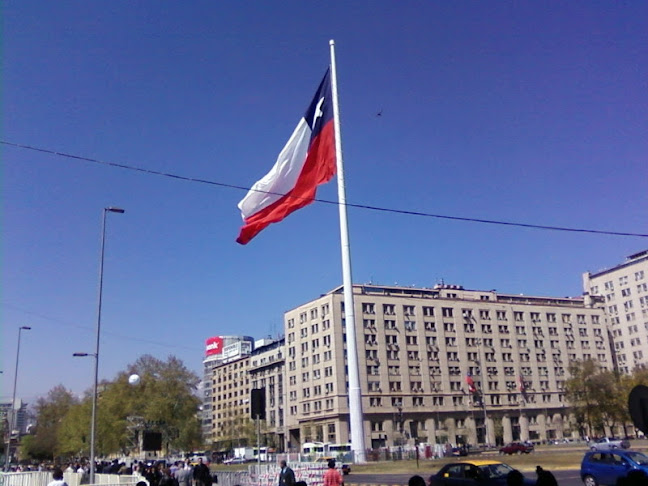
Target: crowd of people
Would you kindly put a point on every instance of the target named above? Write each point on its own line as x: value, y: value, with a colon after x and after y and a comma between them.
x: 179, y: 473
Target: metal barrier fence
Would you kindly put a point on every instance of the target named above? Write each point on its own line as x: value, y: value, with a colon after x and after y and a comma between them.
x: 42, y: 478
x: 238, y: 478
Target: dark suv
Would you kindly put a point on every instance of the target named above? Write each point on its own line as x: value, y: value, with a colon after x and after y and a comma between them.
x: 605, y: 467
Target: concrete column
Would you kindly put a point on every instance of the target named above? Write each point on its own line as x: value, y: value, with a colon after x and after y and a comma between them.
x: 490, y: 439
x: 542, y: 425
x: 451, y: 425
x: 431, y: 426
x: 507, y: 429
x: 524, y: 427
x: 471, y: 427
x: 559, y: 425
x: 393, y: 432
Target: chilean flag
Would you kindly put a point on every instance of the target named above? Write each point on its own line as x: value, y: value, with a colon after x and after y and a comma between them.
x: 521, y: 384
x: 307, y: 160
x: 471, y: 383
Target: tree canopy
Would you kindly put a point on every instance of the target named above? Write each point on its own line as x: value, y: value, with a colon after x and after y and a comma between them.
x: 165, y: 401
x: 599, y: 397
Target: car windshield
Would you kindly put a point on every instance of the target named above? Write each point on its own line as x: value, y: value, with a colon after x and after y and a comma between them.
x: 639, y: 458
x: 495, y: 470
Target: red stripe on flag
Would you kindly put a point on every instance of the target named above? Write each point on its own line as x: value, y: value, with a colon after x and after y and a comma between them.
x: 318, y: 168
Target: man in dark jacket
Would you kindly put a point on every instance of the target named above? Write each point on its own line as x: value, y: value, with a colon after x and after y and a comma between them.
x: 201, y: 474
x: 286, y: 475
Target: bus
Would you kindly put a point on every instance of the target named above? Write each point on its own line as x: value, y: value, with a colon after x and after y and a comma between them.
x: 335, y: 449
x: 325, y: 449
x: 315, y: 449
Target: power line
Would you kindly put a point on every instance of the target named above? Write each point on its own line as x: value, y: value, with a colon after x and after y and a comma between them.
x: 108, y: 333
x: 325, y: 201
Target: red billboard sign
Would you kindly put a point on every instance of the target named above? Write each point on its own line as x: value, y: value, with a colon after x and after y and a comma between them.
x: 214, y: 345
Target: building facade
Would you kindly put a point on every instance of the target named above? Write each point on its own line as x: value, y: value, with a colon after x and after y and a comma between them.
x: 438, y: 364
x: 228, y: 383
x: 219, y: 350
x: 625, y: 290
x: 268, y: 371
x: 16, y: 415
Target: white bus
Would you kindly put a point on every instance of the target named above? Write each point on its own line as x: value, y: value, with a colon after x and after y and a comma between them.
x: 315, y: 449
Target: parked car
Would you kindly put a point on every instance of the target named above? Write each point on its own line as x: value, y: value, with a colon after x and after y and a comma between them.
x: 606, y: 467
x: 235, y: 460
x: 606, y: 443
x: 478, y: 473
x: 517, y: 448
x: 460, y: 451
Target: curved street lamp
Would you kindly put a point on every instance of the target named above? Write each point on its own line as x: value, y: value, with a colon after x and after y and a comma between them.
x: 93, y: 420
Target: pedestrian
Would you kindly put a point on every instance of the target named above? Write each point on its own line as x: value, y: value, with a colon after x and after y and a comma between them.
x: 57, y: 474
x: 286, y: 475
x: 635, y: 477
x: 167, y: 479
x: 332, y: 476
x: 416, y: 481
x: 184, y: 475
x: 545, y: 478
x: 514, y: 478
x: 201, y: 474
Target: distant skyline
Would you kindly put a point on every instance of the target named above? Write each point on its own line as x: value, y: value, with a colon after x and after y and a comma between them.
x: 508, y: 111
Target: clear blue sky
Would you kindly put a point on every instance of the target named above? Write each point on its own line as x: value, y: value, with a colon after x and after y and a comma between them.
x: 520, y: 111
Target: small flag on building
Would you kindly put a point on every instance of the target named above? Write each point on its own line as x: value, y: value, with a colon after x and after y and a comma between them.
x: 471, y: 383
x: 521, y: 384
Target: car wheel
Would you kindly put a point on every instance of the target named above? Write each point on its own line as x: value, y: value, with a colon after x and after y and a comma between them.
x: 590, y: 481
x: 593, y: 449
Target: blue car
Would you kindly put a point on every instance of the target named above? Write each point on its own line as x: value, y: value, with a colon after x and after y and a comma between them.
x: 604, y: 468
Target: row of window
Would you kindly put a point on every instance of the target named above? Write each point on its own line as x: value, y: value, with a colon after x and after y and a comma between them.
x: 623, y: 280
x: 459, y: 400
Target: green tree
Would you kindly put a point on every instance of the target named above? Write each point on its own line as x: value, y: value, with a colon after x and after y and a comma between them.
x: 74, y: 431
x: 50, y: 413
x: 166, y: 396
x: 596, y: 395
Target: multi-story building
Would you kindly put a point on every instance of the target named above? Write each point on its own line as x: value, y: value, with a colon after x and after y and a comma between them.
x: 625, y: 290
x: 438, y: 364
x: 241, y: 366
x: 268, y: 371
x: 219, y: 350
x: 15, y: 415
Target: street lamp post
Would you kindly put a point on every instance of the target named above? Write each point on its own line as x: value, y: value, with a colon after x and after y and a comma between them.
x: 93, y: 420
x: 12, y: 422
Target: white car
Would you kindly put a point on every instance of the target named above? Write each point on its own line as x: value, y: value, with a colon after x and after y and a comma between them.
x: 605, y: 443
x: 235, y: 460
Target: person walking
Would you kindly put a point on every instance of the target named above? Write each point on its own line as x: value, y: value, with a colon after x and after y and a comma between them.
x: 57, y: 474
x: 286, y: 475
x: 184, y: 475
x: 545, y: 478
x: 332, y: 476
x: 201, y: 474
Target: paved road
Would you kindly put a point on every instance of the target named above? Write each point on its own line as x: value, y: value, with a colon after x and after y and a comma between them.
x: 565, y: 478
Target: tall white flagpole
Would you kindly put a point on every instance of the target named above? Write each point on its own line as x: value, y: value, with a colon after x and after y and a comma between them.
x: 355, y: 393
